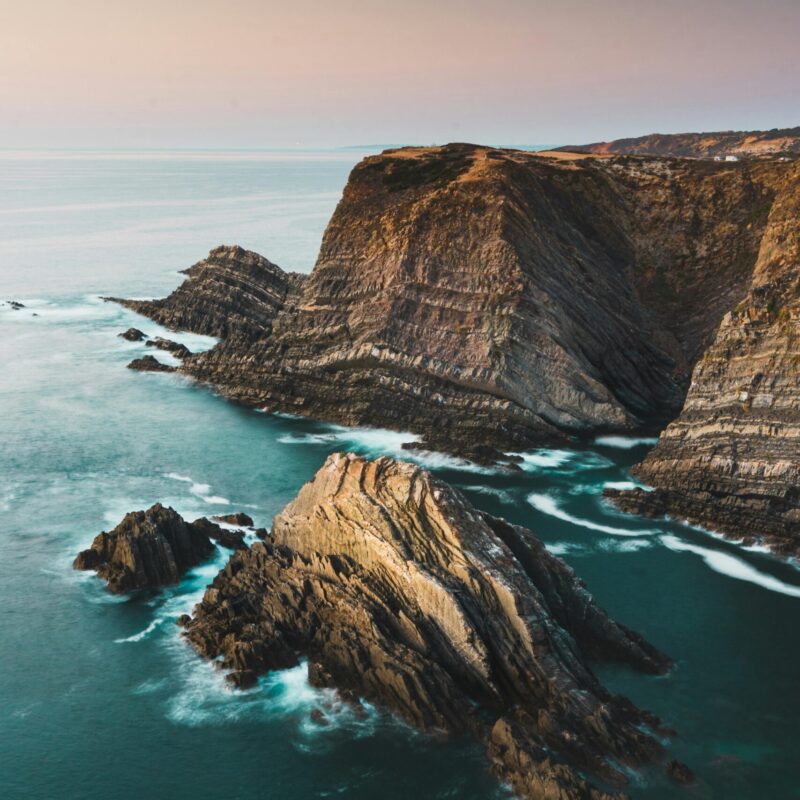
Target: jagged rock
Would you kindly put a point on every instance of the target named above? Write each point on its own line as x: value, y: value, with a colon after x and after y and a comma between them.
x: 149, y: 364
x: 399, y: 592
x: 16, y: 305
x: 132, y: 335
x: 234, y: 540
x: 177, y: 349
x: 147, y: 549
x: 239, y: 518
x: 261, y: 533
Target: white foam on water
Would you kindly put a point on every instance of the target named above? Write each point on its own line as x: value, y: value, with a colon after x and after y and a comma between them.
x: 501, y: 494
x: 307, y: 438
x: 625, y: 442
x: 137, y: 637
x: 622, y: 486
x: 86, y: 308
x: 563, y: 548
x: 626, y: 546
x: 547, y: 505
x: 731, y: 566
x: 544, y: 459
x: 201, y: 490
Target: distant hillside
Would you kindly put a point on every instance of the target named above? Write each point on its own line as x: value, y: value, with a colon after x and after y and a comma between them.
x: 750, y: 144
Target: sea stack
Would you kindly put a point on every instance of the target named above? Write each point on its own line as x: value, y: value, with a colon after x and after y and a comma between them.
x: 399, y: 592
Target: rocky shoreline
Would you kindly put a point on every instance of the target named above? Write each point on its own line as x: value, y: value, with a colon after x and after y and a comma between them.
x: 492, y: 300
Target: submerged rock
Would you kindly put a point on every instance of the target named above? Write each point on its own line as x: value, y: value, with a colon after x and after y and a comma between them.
x: 132, y: 335
x: 149, y: 364
x: 147, y: 549
x: 399, y: 592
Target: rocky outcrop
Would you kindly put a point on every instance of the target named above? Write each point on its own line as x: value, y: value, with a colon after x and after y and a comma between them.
x: 239, y: 518
x: 233, y: 291
x: 132, y: 335
x: 490, y: 300
x: 731, y: 461
x: 486, y: 298
x: 398, y: 592
x: 149, y: 364
x: 743, y: 144
x: 147, y: 549
x: 176, y: 348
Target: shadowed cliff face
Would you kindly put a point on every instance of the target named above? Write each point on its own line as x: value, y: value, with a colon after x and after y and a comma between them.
x: 731, y: 461
x: 492, y: 300
x: 399, y: 592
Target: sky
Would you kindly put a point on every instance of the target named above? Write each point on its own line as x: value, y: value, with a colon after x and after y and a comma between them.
x: 262, y: 73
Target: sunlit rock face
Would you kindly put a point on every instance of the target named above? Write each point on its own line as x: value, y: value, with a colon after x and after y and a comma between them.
x: 399, y: 592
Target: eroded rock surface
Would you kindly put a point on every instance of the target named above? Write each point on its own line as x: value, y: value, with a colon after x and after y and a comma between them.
x: 147, y: 549
x: 399, y: 592
x: 150, y: 364
x: 731, y: 460
x: 176, y: 348
x: 492, y: 300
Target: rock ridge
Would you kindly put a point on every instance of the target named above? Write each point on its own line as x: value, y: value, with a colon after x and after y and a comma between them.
x: 400, y: 593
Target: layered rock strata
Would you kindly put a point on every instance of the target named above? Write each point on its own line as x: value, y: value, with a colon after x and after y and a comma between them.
x: 400, y: 593
x: 491, y: 300
x: 731, y: 460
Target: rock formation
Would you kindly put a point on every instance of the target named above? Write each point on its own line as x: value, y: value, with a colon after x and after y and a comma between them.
x: 731, y: 461
x: 177, y: 349
x: 492, y: 300
x: 147, y: 549
x: 399, y: 592
x: 132, y: 335
x: 743, y: 144
x: 149, y: 364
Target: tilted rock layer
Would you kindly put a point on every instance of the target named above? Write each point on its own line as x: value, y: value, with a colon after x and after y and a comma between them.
x: 399, y: 592
x: 148, y: 549
x: 493, y: 299
x: 731, y: 461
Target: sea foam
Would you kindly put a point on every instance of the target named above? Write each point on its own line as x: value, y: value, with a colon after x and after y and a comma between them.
x: 547, y: 505
x: 733, y: 567
x: 625, y: 442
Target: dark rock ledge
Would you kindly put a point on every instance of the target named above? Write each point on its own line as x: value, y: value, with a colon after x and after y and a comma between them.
x: 400, y: 593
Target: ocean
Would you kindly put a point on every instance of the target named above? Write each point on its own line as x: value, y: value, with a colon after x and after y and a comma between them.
x: 99, y: 696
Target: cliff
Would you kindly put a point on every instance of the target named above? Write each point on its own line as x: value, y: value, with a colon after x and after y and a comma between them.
x: 400, y: 593
x: 743, y: 144
x: 731, y: 461
x: 492, y: 300
x: 487, y: 298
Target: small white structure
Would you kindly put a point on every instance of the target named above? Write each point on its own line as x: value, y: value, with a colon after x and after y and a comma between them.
x: 731, y: 158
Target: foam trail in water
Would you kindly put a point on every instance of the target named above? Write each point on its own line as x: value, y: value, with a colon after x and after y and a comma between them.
x: 137, y: 637
x: 201, y: 490
x: 733, y: 567
x: 501, y: 494
x: 624, y: 442
x: 547, y: 505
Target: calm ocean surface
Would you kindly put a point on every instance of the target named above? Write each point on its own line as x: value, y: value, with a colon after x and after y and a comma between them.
x: 99, y: 697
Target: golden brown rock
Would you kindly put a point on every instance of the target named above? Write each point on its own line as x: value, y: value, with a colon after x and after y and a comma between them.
x: 398, y: 591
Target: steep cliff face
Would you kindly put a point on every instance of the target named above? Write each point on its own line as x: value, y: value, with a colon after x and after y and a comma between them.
x: 491, y: 300
x: 487, y: 298
x: 748, y: 144
x: 731, y: 461
x: 397, y: 591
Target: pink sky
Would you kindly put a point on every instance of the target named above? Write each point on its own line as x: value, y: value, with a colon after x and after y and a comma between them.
x: 250, y: 73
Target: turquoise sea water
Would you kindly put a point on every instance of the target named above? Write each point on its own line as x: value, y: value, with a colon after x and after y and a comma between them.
x: 99, y: 697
